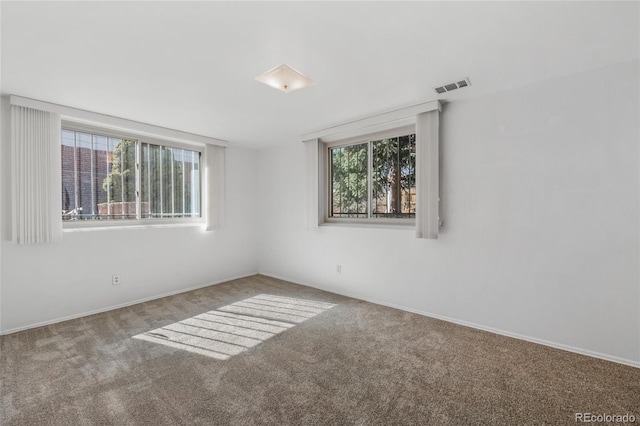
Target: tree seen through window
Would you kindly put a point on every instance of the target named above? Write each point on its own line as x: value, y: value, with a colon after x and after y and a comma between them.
x: 391, y: 172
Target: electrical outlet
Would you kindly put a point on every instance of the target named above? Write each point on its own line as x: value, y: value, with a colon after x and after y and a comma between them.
x: 339, y: 269
x: 115, y: 279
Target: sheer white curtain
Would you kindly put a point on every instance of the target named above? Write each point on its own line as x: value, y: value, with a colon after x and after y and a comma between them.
x: 427, y: 175
x: 214, y: 186
x: 36, y: 176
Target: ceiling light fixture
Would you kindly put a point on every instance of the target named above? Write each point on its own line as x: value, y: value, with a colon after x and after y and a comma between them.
x: 285, y: 78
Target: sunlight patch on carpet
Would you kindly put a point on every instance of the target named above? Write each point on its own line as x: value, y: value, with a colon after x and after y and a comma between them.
x: 234, y: 328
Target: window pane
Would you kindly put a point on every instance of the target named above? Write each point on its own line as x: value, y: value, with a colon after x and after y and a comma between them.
x: 193, y: 188
x: 84, y: 199
x: 144, y: 180
x: 128, y: 170
x: 120, y: 183
x: 393, y: 177
x: 178, y: 189
x: 167, y: 182
x: 155, y: 180
x: 101, y: 166
x: 349, y: 183
x: 111, y: 184
x: 92, y: 170
x: 99, y: 179
x: 170, y: 182
x: 408, y: 175
x: 68, y: 174
x: 188, y: 182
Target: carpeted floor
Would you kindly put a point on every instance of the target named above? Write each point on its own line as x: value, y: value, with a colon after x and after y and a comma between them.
x: 264, y: 351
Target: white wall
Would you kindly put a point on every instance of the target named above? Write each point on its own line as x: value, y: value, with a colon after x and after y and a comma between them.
x: 540, y: 192
x: 44, y: 283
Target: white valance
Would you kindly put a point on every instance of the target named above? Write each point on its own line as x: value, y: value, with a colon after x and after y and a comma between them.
x: 116, y: 123
x: 388, y: 120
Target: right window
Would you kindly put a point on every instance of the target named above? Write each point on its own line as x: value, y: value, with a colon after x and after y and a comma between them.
x: 374, y: 179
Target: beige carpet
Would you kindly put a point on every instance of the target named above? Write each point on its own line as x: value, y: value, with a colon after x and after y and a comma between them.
x: 264, y: 351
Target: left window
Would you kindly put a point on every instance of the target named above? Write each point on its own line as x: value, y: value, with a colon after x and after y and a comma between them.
x: 113, y: 177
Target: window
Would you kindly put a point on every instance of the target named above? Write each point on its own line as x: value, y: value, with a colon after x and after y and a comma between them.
x: 373, y: 178
x: 109, y: 177
x: 170, y: 182
x: 377, y: 170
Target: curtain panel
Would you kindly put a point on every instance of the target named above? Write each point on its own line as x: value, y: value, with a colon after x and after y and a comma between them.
x: 311, y: 153
x: 36, y: 176
x: 427, y: 175
x: 215, y: 187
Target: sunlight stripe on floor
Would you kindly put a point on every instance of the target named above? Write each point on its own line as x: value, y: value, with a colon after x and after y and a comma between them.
x: 232, y: 329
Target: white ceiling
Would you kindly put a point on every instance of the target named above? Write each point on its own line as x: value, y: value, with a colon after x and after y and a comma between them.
x: 191, y: 66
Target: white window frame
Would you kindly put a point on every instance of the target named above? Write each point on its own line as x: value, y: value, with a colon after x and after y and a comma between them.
x: 325, y: 178
x: 139, y: 221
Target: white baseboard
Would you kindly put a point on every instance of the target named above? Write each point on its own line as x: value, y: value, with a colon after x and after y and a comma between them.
x: 561, y: 346
x: 121, y: 305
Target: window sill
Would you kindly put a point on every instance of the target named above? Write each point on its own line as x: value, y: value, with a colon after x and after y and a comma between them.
x: 402, y: 225
x: 90, y: 227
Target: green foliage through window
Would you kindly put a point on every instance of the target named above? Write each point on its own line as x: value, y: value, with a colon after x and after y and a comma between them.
x: 120, y: 183
x: 349, y: 181
x: 170, y: 182
x: 394, y: 177
x: 391, y: 172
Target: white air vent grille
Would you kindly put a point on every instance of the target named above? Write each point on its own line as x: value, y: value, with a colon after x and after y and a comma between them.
x: 452, y: 86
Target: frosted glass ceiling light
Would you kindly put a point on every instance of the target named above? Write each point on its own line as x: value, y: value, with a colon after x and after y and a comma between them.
x: 285, y: 78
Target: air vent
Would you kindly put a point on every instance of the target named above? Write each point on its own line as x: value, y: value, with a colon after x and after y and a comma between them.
x: 452, y: 86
